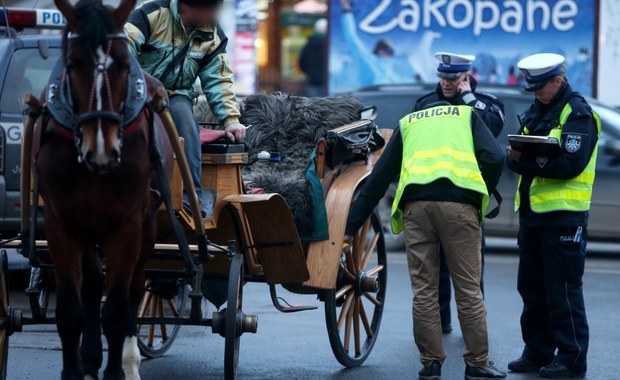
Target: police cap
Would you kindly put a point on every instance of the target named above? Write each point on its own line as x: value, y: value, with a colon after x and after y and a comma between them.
x: 451, y: 65
x: 539, y: 69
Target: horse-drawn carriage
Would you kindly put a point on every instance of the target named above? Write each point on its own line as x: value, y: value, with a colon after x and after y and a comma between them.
x: 253, y: 236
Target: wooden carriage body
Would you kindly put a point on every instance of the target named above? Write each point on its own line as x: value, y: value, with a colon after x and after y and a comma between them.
x: 263, y: 226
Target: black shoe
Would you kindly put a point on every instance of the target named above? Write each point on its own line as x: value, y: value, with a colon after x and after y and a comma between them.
x: 432, y: 372
x: 446, y: 329
x: 556, y: 370
x: 524, y: 365
x: 483, y: 373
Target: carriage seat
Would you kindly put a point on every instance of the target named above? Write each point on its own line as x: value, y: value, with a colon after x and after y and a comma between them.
x: 223, y: 147
x: 215, y: 142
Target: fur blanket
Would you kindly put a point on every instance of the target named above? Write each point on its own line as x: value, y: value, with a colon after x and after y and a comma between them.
x: 291, y: 126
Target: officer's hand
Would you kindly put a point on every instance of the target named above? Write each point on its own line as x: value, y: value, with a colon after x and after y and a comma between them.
x: 514, y: 155
x: 236, y: 132
x: 346, y: 5
x: 464, y: 86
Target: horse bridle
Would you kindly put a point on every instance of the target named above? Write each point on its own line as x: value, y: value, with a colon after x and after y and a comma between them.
x: 101, y: 78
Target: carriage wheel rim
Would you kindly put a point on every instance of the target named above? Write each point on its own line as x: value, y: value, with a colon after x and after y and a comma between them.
x: 234, y: 317
x: 155, y: 339
x: 354, y: 309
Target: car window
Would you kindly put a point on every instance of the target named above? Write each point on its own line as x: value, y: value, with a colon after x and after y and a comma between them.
x: 610, y: 120
x: 514, y: 107
x: 28, y: 73
x: 391, y: 107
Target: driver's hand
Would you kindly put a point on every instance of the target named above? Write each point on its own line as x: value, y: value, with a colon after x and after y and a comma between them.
x: 235, y: 132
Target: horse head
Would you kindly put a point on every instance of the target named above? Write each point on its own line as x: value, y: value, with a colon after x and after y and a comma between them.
x: 97, y: 67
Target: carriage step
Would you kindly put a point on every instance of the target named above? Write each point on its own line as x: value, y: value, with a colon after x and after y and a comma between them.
x: 286, y: 307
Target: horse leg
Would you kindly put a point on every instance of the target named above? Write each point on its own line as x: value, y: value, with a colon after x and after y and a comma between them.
x: 66, y: 255
x: 92, y: 289
x: 131, y: 353
x: 122, y: 252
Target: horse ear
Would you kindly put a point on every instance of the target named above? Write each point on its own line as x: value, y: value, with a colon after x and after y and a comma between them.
x: 68, y: 10
x: 121, y: 13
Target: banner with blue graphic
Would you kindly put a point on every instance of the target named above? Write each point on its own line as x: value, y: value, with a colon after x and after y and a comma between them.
x: 394, y: 41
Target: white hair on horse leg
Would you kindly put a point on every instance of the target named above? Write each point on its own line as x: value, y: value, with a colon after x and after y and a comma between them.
x: 131, y: 358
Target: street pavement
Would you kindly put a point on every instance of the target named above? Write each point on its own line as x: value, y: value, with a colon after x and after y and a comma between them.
x: 295, y: 346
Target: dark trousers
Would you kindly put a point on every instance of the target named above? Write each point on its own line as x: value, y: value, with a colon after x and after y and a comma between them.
x: 445, y: 285
x: 550, y: 282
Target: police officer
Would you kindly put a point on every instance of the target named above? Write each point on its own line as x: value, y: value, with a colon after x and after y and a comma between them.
x: 553, y: 200
x: 447, y: 161
x: 458, y: 87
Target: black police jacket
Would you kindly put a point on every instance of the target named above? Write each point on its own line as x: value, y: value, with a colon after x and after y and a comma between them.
x: 569, y: 163
x: 490, y: 109
x: 490, y: 158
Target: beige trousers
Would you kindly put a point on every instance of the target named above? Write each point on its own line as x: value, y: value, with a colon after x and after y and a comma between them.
x: 457, y: 227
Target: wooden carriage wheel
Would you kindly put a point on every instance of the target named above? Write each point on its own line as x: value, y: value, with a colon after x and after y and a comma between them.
x: 234, y: 318
x: 354, y: 309
x: 5, y: 315
x: 158, y: 301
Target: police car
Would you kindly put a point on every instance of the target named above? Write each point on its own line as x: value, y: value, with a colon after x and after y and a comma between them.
x: 29, y: 48
x: 395, y: 101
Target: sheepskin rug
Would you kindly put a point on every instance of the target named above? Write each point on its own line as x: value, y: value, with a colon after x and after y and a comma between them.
x: 289, y: 125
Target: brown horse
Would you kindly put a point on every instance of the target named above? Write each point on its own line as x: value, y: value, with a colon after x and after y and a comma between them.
x: 96, y: 177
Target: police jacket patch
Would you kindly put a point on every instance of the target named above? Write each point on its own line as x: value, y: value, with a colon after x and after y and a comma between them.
x: 572, y: 143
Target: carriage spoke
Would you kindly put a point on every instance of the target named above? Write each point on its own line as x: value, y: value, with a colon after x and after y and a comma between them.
x: 173, y: 307
x: 350, y: 264
x: 151, y: 328
x: 359, y: 244
x: 344, y: 311
x: 372, y: 299
x: 347, y: 329
x: 356, y: 326
x: 162, y: 326
x: 145, y: 304
x: 346, y: 272
x: 364, y: 232
x: 368, y: 253
x: 365, y: 319
x: 343, y: 291
x: 374, y: 270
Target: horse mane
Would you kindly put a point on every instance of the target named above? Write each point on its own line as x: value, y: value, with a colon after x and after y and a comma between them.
x: 95, y: 22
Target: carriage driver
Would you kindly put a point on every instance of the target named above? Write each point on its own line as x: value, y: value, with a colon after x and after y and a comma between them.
x: 178, y: 41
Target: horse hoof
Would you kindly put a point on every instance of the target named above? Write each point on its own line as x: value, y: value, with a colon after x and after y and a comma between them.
x: 89, y: 377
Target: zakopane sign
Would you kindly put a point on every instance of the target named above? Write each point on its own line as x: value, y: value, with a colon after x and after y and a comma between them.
x: 499, y: 33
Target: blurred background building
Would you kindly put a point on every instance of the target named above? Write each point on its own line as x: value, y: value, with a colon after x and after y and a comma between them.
x: 268, y: 37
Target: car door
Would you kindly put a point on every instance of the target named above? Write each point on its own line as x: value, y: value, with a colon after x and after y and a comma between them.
x: 605, y: 208
x: 507, y: 222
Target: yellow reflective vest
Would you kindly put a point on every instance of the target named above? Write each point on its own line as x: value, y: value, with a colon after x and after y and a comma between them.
x: 438, y: 143
x: 550, y: 194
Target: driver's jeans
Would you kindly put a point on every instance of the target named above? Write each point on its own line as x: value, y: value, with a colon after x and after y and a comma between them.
x: 182, y: 112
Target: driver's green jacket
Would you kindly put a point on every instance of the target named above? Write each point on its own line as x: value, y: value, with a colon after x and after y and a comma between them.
x: 157, y: 36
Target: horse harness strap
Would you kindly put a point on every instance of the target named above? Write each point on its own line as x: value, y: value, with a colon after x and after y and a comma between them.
x: 68, y: 134
x: 60, y: 99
